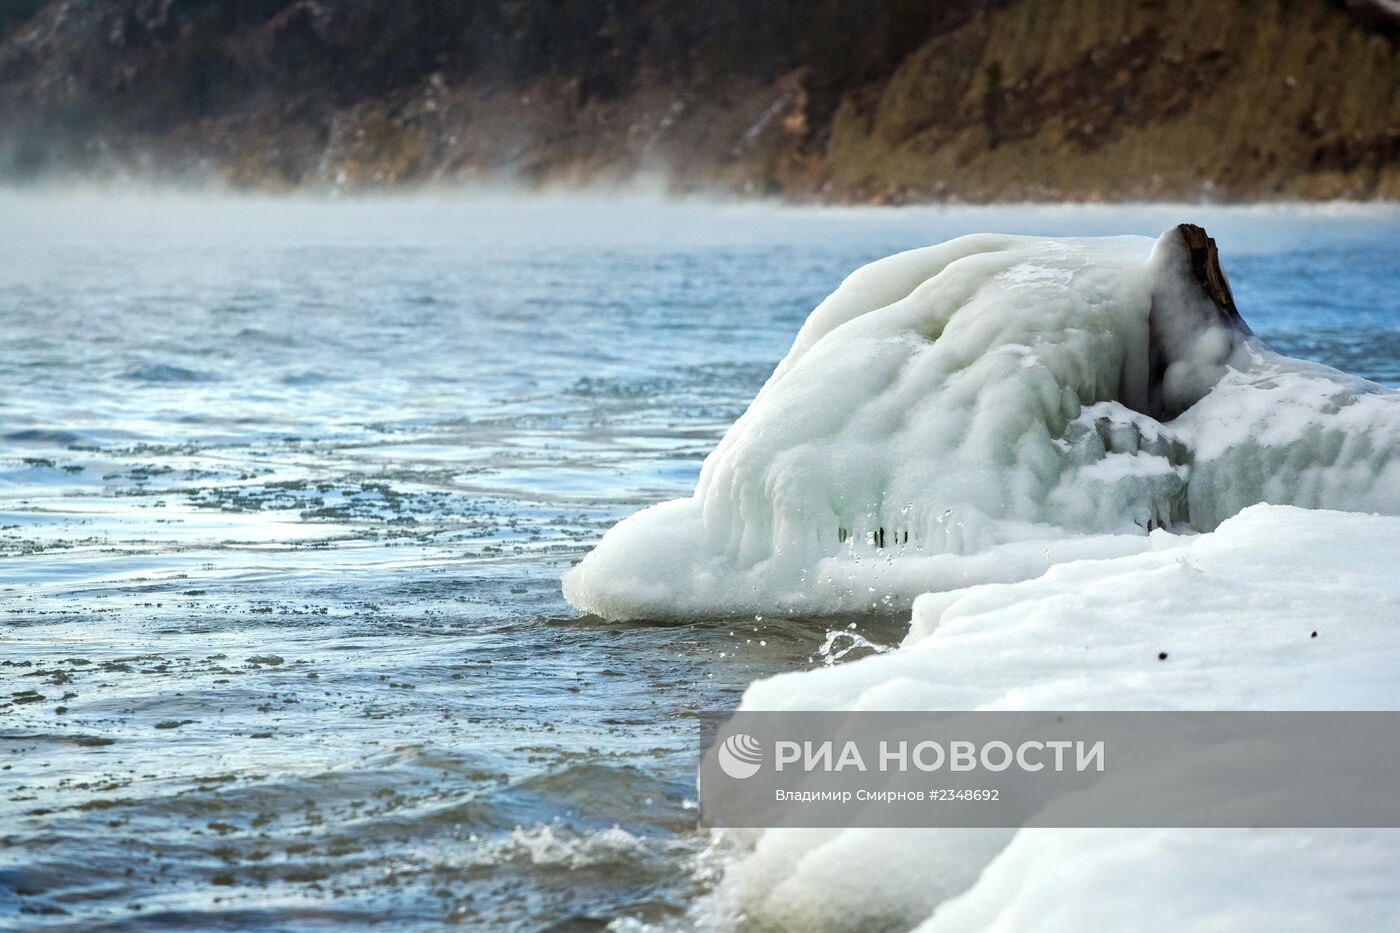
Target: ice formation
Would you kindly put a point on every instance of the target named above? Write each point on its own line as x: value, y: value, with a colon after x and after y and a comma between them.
x: 1235, y: 610
x: 981, y: 410
x: 1031, y: 433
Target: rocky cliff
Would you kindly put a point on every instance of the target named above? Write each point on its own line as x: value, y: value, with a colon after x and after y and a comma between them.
x: 883, y: 100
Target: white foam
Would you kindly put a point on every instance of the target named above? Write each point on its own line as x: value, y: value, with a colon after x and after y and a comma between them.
x: 552, y: 846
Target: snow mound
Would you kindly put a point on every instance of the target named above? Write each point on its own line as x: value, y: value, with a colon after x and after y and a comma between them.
x: 981, y: 410
x: 1235, y: 611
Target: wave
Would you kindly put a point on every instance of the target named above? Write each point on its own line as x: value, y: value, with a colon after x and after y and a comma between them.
x: 165, y: 373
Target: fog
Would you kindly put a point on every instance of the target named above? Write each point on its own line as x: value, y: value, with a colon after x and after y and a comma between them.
x: 498, y: 217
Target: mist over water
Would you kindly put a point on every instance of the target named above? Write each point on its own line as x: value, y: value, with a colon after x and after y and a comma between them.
x: 286, y: 487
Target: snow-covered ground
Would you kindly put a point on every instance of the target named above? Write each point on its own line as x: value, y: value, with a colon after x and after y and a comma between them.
x: 1235, y: 610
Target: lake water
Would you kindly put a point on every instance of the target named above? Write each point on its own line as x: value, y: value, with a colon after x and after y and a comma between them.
x: 286, y: 488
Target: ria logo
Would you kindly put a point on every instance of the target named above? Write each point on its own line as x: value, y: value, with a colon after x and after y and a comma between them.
x: 740, y: 756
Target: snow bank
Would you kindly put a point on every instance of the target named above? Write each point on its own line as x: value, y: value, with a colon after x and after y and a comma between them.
x: 981, y: 410
x: 1235, y: 611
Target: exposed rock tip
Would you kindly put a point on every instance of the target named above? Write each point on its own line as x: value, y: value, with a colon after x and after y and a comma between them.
x: 1206, y: 270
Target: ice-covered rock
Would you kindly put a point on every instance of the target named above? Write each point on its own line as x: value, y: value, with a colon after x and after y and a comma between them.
x: 1067, y: 446
x: 983, y: 409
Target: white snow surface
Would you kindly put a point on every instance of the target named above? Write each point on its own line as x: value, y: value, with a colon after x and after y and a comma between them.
x: 1235, y: 610
x: 976, y: 412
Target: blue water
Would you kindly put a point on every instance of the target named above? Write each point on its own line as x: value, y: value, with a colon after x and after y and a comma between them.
x: 286, y: 488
